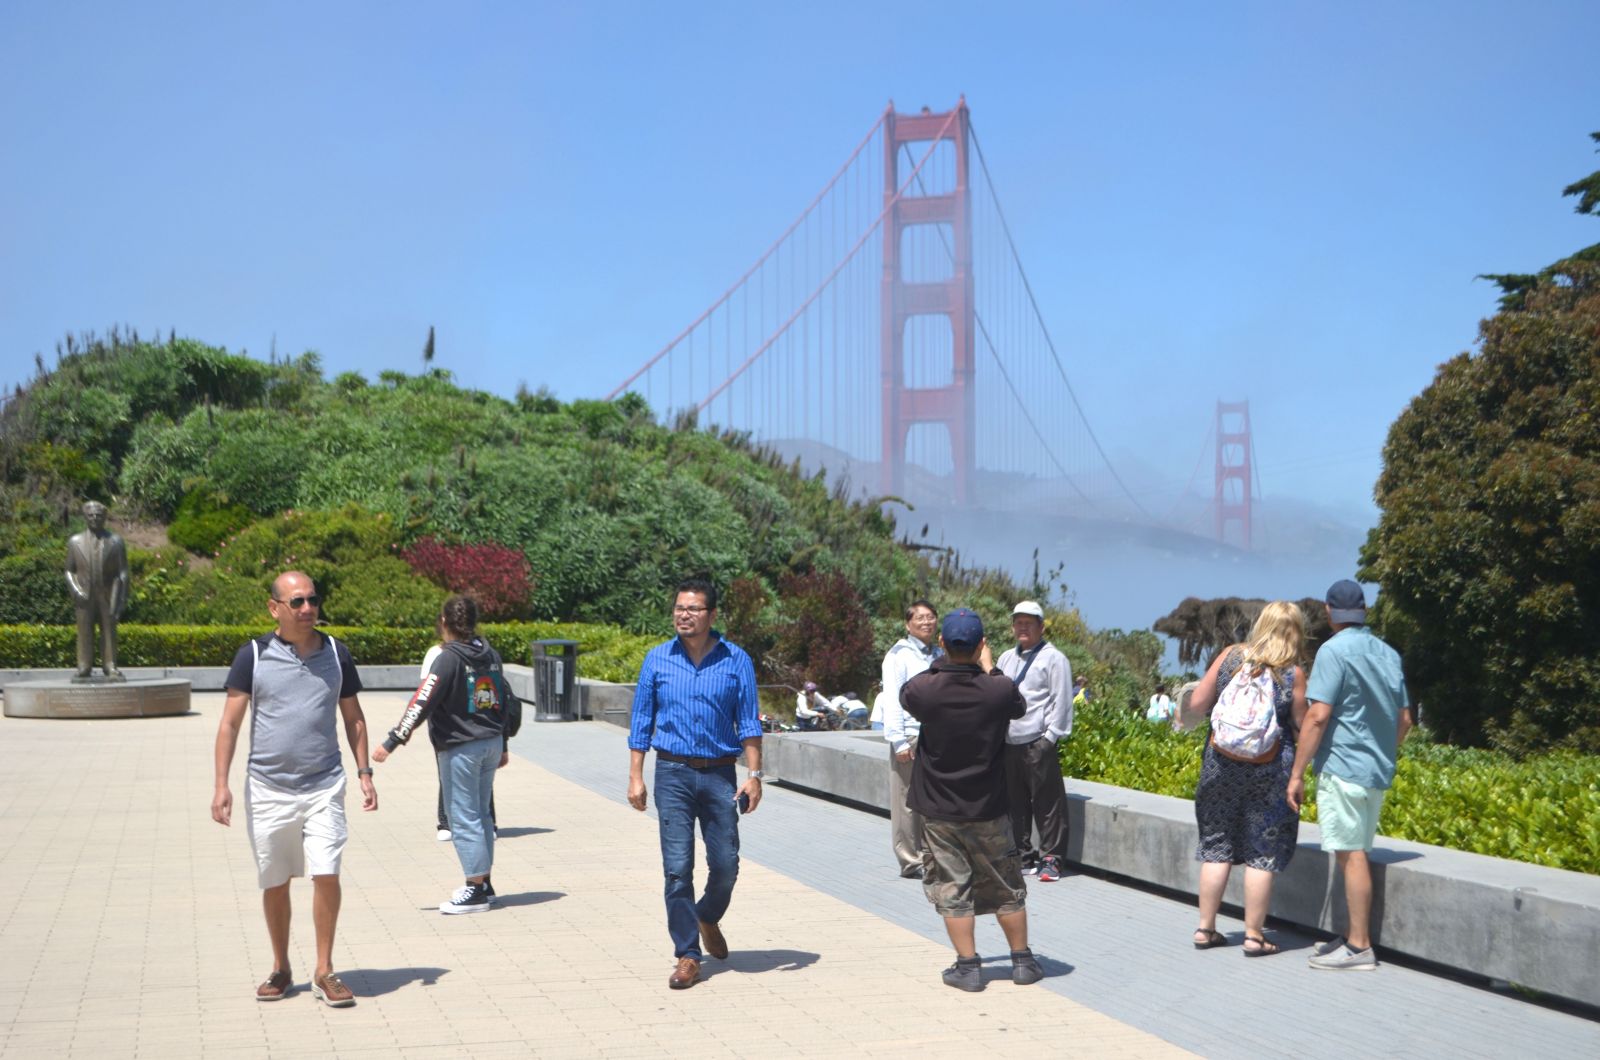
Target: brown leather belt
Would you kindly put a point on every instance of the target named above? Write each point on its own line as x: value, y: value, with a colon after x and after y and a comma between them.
x: 698, y: 763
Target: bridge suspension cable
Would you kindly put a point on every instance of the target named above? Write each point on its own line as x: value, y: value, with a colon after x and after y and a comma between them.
x: 1044, y: 330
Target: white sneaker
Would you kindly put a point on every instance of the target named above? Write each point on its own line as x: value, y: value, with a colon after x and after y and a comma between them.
x: 1345, y: 959
x: 1322, y: 949
x: 443, y: 836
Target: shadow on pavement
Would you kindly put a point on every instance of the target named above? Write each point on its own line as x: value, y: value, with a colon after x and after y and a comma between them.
x: 754, y: 961
x: 374, y: 982
x: 530, y: 898
x: 516, y: 833
x: 998, y: 969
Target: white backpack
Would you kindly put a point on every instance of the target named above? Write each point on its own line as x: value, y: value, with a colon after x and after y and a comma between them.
x: 1244, y: 723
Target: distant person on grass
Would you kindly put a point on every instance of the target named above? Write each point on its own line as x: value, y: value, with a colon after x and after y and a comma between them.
x: 297, y: 680
x: 958, y: 784
x: 1359, y: 715
x: 1239, y: 805
x: 467, y: 706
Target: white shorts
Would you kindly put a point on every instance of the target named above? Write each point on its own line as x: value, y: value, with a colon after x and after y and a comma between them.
x: 295, y: 833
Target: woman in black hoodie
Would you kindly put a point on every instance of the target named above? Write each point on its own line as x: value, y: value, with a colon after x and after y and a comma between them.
x: 466, y: 703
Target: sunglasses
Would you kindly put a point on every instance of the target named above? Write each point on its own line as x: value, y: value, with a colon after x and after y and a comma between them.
x: 297, y: 602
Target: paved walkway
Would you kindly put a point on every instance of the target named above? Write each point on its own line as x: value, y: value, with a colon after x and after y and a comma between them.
x: 131, y: 926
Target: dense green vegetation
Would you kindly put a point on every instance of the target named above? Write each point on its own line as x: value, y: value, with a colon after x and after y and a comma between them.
x: 607, y: 653
x: 236, y: 470
x: 1543, y: 809
x: 1488, y: 549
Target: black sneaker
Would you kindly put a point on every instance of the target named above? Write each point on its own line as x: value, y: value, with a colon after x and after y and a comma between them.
x: 1049, y: 870
x: 489, y: 890
x: 1025, y: 968
x: 966, y: 974
x: 470, y: 898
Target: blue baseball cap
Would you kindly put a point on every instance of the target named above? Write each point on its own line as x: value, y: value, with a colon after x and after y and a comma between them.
x: 962, y: 628
x: 1347, y: 604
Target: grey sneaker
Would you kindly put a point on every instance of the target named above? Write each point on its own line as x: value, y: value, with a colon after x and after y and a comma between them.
x: 1345, y: 959
x: 966, y: 974
x: 1322, y: 949
x: 1025, y: 969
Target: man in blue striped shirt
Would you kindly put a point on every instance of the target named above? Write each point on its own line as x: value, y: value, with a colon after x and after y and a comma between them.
x: 695, y: 705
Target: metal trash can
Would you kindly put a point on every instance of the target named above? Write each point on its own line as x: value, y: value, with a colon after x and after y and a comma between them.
x: 555, y: 680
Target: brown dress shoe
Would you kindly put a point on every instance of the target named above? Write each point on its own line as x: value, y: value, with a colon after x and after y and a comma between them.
x: 716, y: 945
x: 686, y: 974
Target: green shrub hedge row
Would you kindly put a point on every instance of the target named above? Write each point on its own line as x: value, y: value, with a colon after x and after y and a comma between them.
x: 606, y: 653
x: 1543, y: 809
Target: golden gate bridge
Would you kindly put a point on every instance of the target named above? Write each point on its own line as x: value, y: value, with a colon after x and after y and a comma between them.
x: 891, y: 334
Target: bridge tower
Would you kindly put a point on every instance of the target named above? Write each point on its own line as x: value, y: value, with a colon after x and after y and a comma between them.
x: 1234, y: 455
x: 951, y: 405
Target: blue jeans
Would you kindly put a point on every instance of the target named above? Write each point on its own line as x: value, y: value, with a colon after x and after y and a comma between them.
x: 467, y: 771
x: 683, y: 796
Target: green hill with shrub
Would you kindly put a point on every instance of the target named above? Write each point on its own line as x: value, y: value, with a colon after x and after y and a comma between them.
x: 394, y: 492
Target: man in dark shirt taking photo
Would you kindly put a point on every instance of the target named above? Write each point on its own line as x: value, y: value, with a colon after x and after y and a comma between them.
x: 958, y: 784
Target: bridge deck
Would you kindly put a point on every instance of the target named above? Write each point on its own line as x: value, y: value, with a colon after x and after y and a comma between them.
x: 132, y: 926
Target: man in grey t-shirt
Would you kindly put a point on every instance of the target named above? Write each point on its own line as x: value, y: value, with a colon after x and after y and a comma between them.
x: 296, y: 679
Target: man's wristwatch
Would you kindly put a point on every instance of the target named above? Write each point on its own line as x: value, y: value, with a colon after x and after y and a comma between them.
x: 755, y: 774
x: 364, y: 772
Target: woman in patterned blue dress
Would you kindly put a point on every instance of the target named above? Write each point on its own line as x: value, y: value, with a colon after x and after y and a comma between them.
x: 1243, y: 814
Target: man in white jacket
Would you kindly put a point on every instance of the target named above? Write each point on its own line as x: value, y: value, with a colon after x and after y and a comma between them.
x: 909, y: 657
x: 1033, y: 771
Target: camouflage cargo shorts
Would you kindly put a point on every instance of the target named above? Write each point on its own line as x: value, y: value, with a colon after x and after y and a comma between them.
x: 971, y: 868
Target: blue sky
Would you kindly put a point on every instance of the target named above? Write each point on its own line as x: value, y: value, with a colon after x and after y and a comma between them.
x: 1287, y: 202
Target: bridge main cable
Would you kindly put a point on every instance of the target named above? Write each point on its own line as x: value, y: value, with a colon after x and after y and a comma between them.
x: 762, y: 260
x: 823, y: 286
x: 1045, y: 331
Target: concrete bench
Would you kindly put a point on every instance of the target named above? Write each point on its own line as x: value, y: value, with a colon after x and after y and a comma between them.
x: 1508, y: 920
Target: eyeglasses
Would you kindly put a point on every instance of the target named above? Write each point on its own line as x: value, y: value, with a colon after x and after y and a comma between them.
x: 297, y: 602
x: 679, y: 609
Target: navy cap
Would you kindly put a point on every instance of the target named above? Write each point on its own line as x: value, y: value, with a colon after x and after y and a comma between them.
x: 1346, y: 603
x: 962, y: 628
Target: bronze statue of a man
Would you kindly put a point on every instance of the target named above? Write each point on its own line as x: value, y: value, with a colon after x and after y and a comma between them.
x: 97, y: 578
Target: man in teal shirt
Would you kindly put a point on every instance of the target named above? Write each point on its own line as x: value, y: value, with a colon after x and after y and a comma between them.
x: 1357, y: 718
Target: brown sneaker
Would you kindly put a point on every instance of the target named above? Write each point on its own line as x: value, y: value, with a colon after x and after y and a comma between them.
x: 715, y: 944
x: 685, y: 975
x: 276, y: 988
x: 331, y: 991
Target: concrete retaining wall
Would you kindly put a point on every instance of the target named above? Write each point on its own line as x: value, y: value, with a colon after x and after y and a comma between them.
x: 1529, y: 925
x: 594, y: 697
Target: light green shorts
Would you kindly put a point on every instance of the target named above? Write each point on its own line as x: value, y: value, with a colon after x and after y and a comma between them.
x: 1347, y: 813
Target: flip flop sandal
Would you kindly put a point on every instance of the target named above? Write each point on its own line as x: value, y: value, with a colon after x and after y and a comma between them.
x: 1213, y: 939
x: 1261, y: 947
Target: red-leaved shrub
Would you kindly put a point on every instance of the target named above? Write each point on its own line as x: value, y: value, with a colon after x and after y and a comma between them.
x: 827, y: 634
x: 499, y: 578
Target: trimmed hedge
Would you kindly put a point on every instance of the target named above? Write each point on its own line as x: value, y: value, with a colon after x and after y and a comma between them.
x: 606, y: 653
x: 1544, y: 809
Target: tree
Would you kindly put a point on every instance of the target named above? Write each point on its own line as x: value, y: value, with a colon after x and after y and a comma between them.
x: 1204, y: 627
x: 1516, y: 285
x: 1488, y: 547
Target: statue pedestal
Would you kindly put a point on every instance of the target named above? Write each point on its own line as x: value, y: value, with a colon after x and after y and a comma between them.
x: 66, y: 698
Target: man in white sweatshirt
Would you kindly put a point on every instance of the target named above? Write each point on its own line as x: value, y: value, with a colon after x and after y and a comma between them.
x: 1033, y: 771
x: 910, y: 655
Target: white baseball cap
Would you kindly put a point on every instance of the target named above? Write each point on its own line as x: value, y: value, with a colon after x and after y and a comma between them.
x: 1028, y: 607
